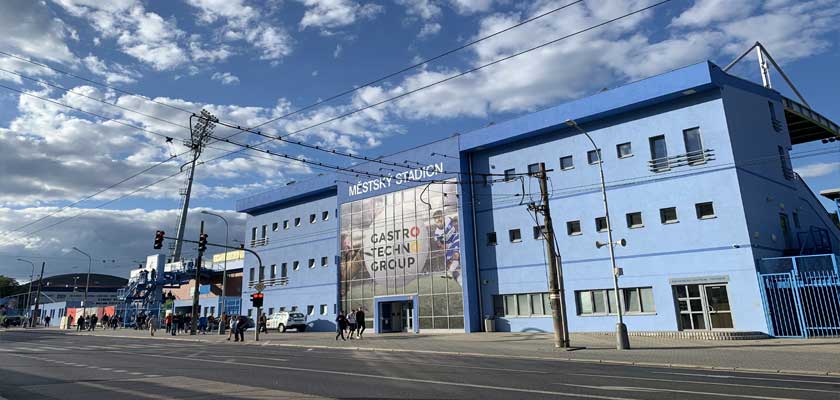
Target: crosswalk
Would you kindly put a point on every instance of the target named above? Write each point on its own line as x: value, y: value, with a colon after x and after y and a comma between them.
x: 38, y: 348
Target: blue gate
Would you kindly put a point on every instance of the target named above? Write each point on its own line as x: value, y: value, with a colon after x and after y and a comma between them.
x: 804, y: 302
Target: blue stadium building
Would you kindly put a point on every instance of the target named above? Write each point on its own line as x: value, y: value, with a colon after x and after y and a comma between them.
x: 700, y: 185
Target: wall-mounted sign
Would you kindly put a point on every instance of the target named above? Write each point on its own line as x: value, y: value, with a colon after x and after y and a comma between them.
x: 692, y: 280
x: 413, y: 175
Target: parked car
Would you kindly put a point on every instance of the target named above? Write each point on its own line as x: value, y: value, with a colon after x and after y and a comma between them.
x: 10, y: 320
x: 286, y: 320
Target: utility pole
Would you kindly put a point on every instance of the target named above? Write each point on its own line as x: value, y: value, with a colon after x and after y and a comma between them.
x: 195, y: 306
x: 34, y: 317
x: 556, y: 291
x: 199, y: 136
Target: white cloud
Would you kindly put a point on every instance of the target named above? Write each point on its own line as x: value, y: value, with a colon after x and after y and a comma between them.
x: 116, y: 73
x: 429, y: 29
x: 705, y: 12
x: 472, y: 6
x: 423, y: 9
x: 818, y: 169
x: 330, y: 14
x: 225, y: 78
x: 28, y: 27
x: 337, y: 51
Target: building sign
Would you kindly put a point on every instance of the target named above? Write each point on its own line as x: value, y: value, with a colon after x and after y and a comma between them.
x: 231, y: 255
x: 413, y: 175
x: 699, y: 280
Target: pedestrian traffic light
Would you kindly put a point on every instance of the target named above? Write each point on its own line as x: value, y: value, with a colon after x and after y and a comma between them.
x: 257, y: 299
x: 202, y: 242
x: 159, y: 239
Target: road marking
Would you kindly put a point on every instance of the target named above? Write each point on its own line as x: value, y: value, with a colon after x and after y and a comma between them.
x: 119, y: 370
x: 397, y: 378
x: 647, y: 389
x: 237, y: 357
x: 705, y: 383
x: 749, y: 377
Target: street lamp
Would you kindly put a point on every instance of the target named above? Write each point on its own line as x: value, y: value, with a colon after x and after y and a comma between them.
x: 29, y: 294
x: 622, y: 340
x: 87, y: 283
x: 222, y: 300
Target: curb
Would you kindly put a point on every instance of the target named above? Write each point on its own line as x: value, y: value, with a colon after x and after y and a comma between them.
x: 485, y: 355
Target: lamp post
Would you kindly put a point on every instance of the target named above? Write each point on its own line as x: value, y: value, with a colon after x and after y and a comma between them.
x: 222, y: 303
x: 87, y: 283
x: 621, y: 337
x: 31, y: 278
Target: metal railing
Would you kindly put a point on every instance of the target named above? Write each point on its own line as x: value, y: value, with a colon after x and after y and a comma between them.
x: 259, y: 242
x: 697, y: 157
x: 283, y: 281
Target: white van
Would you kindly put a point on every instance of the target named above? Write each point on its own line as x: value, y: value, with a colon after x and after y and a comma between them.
x: 285, y: 320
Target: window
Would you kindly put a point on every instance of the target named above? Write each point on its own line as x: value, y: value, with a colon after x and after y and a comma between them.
x: 286, y: 224
x: 567, y: 163
x: 274, y: 227
x: 634, y: 220
x: 705, y: 210
x: 540, y: 232
x: 262, y: 273
x: 270, y: 310
x: 602, y: 301
x: 325, y: 261
x: 273, y: 271
x: 694, y: 146
x: 491, y: 239
x: 264, y: 231
x: 212, y: 310
x: 601, y: 224
x: 796, y: 220
x: 293, y: 309
x: 296, y: 265
x: 250, y: 312
x: 624, y: 150
x: 787, y: 170
x: 515, y: 235
x: 251, y: 274
x: 310, y: 310
x: 772, y: 111
x: 659, y: 154
x: 521, y: 305
x: 509, y: 174
x: 284, y: 270
x: 297, y: 221
x: 323, y: 309
x: 325, y: 215
x: 668, y: 215
x: 594, y: 156
x: 311, y: 263
x: 253, y: 235
x: 534, y: 169
x: 282, y: 309
x: 313, y: 218
x: 573, y: 228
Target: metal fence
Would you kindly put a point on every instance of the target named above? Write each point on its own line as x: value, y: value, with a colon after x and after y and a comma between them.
x: 802, y: 304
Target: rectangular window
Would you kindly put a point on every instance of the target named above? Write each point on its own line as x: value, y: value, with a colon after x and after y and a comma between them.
x: 668, y: 215
x: 311, y: 263
x: 282, y: 309
x: 313, y: 218
x: 297, y: 221
x: 515, y: 235
x: 251, y: 274
x: 694, y: 146
x: 262, y: 273
x: 524, y: 303
x: 509, y: 174
x: 602, y: 301
x: 593, y: 156
x: 796, y: 220
x: 540, y: 232
x: 284, y: 270
x: 296, y: 265
x: 659, y: 154
x: 310, y: 310
x: 534, y: 169
x: 634, y: 220
x: 286, y: 224
x: 491, y: 239
x: 253, y: 235
x: 601, y: 224
x: 294, y: 309
x: 521, y: 305
x: 274, y: 227
x: 325, y: 215
x: 323, y: 309
x: 705, y: 210
x: 573, y: 228
x: 787, y: 169
x: 772, y: 111
x: 270, y: 310
x: 567, y: 163
x: 325, y: 261
x: 273, y: 271
x: 264, y: 232
x: 250, y: 312
x: 624, y: 150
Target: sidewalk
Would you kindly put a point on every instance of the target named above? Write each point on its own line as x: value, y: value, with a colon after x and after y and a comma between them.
x: 811, y: 356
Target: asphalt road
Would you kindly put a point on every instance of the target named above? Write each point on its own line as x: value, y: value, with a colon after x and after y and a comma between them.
x: 52, y: 365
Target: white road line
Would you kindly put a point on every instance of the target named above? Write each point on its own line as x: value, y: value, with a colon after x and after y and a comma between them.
x: 119, y: 370
x: 705, y: 383
x: 693, y: 392
x: 52, y: 348
x: 401, y: 379
x: 739, y: 377
x: 32, y: 349
x: 136, y: 373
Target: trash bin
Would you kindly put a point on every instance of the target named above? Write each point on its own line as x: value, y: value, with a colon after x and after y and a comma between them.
x: 489, y: 324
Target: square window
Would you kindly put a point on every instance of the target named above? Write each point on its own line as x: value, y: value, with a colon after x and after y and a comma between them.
x: 323, y: 309
x: 313, y: 218
x: 573, y: 228
x: 668, y: 215
x: 294, y: 308
x: 311, y: 263
x: 509, y: 174
x: 296, y: 265
x: 325, y: 215
x: 594, y: 156
x: 310, y: 310
x: 274, y: 227
x: 540, y: 232
x: 634, y: 220
x: 270, y: 310
x: 705, y: 210
x: 601, y: 224
x: 325, y: 261
x: 286, y: 224
x: 567, y: 163
x: 534, y: 169
x: 624, y: 150
x: 491, y: 239
x: 515, y: 235
x: 297, y: 221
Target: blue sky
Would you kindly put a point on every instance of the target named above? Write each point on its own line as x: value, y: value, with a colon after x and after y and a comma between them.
x: 248, y: 61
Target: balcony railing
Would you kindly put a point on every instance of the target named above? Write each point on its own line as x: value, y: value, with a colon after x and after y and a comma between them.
x: 259, y: 242
x: 681, y: 160
x: 282, y: 281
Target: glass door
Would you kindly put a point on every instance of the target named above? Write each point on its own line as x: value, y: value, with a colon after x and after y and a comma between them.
x: 717, y: 301
x: 690, y: 307
x: 703, y: 307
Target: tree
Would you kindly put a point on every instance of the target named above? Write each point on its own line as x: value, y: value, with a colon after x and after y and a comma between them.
x: 8, y: 286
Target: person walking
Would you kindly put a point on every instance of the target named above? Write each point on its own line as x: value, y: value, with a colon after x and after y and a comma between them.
x: 69, y: 322
x: 360, y: 322
x: 241, y: 327
x: 223, y: 323
x: 263, y: 323
x: 176, y: 321
x: 340, y: 326
x: 47, y: 321
x: 168, y: 321
x: 234, y: 321
x: 351, y: 323
x: 202, y: 324
x: 92, y: 322
x: 81, y: 323
x: 153, y: 324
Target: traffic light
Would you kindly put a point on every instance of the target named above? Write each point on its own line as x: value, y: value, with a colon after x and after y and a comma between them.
x: 159, y: 239
x: 202, y: 242
x: 257, y: 299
